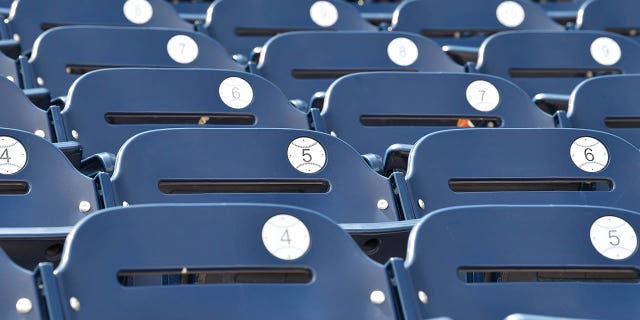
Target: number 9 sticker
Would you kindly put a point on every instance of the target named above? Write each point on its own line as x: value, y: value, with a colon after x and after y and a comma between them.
x: 613, y: 238
x: 589, y: 154
x: 306, y: 155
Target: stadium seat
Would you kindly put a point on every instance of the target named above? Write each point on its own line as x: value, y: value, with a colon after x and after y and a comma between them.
x: 286, y: 166
x: 243, y: 25
x: 31, y: 17
x: 106, y: 107
x: 372, y: 111
x: 611, y: 15
x: 61, y: 55
x: 522, y: 166
x: 21, y: 113
x: 306, y: 265
x: 607, y: 104
x: 19, y: 297
x: 192, y: 10
x: 563, y: 261
x: 41, y: 195
x: 556, y: 62
x: 563, y: 11
x: 303, y: 63
x: 469, y: 22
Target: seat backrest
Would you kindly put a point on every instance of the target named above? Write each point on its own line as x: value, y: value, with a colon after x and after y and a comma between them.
x: 563, y: 261
x: 20, y: 113
x: 30, y: 18
x: 302, y: 261
x: 19, y: 297
x: 243, y: 25
x: 40, y: 187
x: 523, y: 166
x: 303, y: 63
x: 608, y: 104
x: 107, y: 107
x: 556, y: 62
x: 372, y: 111
x: 62, y: 54
x: 469, y: 22
x: 610, y: 15
x: 285, y: 166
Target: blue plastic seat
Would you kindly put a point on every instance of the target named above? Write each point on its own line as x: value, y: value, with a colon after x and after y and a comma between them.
x: 243, y: 279
x: 61, y: 55
x: 556, y: 62
x: 243, y: 25
x: 41, y: 196
x: 372, y: 111
x: 303, y: 63
x: 318, y: 172
x: 607, y: 104
x: 468, y: 22
x: 106, y: 107
x: 19, y: 297
x: 31, y: 17
x: 542, y: 256
x: 21, y: 113
x: 611, y: 15
x: 522, y: 167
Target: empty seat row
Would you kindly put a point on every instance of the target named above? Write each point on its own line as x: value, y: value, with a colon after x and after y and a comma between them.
x: 309, y: 267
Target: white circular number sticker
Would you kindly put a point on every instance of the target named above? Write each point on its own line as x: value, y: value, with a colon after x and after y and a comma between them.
x: 605, y: 51
x: 13, y: 155
x: 613, y: 237
x: 483, y: 96
x: 236, y: 92
x: 182, y: 49
x: 589, y: 154
x: 306, y: 155
x: 402, y: 51
x: 510, y: 14
x: 323, y: 13
x: 286, y: 237
x: 137, y: 11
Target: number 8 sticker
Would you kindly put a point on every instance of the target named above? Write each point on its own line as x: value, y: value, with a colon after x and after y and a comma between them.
x: 306, y: 155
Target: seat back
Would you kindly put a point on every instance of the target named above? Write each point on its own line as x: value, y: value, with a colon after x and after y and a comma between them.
x: 40, y: 187
x: 285, y: 166
x: 469, y: 22
x: 107, y: 107
x: 23, y: 114
x: 608, y: 104
x: 30, y: 18
x: 297, y: 258
x: 19, y: 298
x: 61, y: 55
x: 523, y: 166
x: 303, y: 63
x: 556, y: 62
x: 560, y: 261
x: 610, y: 15
x: 243, y: 25
x: 372, y: 111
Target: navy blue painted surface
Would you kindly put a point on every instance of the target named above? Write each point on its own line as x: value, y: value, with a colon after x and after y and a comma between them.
x: 165, y: 91
x: 21, y: 113
x: 610, y: 15
x: 517, y: 237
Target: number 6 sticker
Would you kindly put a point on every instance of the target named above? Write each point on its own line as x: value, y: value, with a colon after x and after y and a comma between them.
x: 589, y: 154
x: 306, y: 155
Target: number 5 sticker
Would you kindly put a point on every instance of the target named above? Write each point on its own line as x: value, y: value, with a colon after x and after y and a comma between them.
x: 613, y: 238
x: 306, y: 155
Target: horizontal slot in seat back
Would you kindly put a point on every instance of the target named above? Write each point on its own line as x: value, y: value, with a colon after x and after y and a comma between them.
x: 522, y: 166
x: 107, y: 107
x: 284, y: 166
x: 564, y: 261
x: 372, y: 111
x: 242, y: 26
x: 255, y: 245
x: 62, y: 54
x: 303, y: 63
x: 556, y: 61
